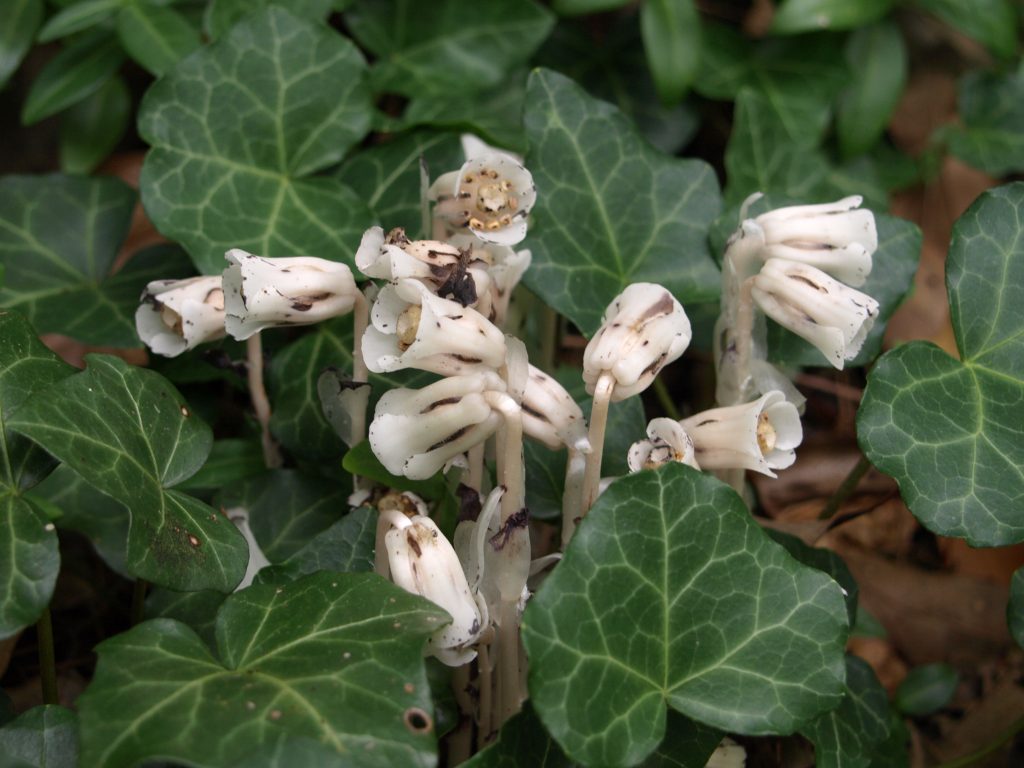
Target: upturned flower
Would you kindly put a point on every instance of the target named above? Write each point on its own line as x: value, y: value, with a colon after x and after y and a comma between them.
x: 550, y: 415
x: 491, y: 196
x: 760, y: 435
x: 833, y: 317
x: 666, y: 442
x: 422, y: 561
x: 413, y: 328
x: 261, y: 292
x: 177, y: 315
x: 416, y: 432
x: 838, y: 238
x: 643, y: 330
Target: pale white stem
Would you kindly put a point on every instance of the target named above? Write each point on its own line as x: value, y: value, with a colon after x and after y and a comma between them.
x: 486, y: 686
x: 744, y: 335
x: 572, y: 496
x: 460, y: 743
x: 598, y: 423
x: 475, y: 473
x: 510, y: 698
x: 360, y: 318
x: 510, y: 456
x: 425, y: 204
x: 260, y: 401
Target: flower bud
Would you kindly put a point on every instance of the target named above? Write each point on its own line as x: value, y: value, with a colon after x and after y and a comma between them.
x: 644, y: 329
x: 666, y: 442
x: 177, y: 315
x: 423, y: 562
x: 413, y: 328
x: 550, y: 415
x: 261, y: 292
x: 833, y: 317
x: 759, y: 435
x: 416, y: 432
x: 838, y: 238
x: 491, y: 196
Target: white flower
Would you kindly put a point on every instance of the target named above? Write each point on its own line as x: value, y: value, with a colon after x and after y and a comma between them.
x: 423, y: 562
x: 666, y: 441
x: 491, y: 196
x: 759, y: 435
x: 838, y: 238
x: 550, y: 415
x: 257, y: 560
x: 177, y: 315
x: 505, y: 268
x: 474, y: 147
x: 416, y: 432
x: 644, y: 329
x: 413, y: 328
x: 261, y: 292
x: 833, y: 317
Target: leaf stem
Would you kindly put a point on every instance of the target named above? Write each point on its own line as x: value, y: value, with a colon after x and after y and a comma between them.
x: 665, y: 399
x: 138, y: 601
x: 259, y: 399
x: 846, y: 488
x: 47, y: 660
x: 598, y: 423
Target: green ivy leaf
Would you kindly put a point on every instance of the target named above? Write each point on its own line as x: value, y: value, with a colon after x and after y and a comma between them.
x: 332, y: 657
x: 824, y: 560
x: 42, y: 736
x: 926, y: 689
x: 74, y: 73
x: 91, y: 129
x: 1015, y: 608
x: 991, y: 108
x: 196, y: 609
x: 671, y: 32
x: 877, y: 57
x: 130, y: 434
x: 221, y: 15
x: 611, y: 209
x: 230, y: 461
x: 949, y: 431
x: 993, y: 23
x: 580, y: 7
x: 387, y: 176
x: 849, y: 735
x: 347, y: 546
x: 237, y: 131
x: 669, y: 593
x: 440, y: 47
x: 19, y: 20
x: 795, y: 16
x: 155, y: 36
x: 29, y: 559
x: 77, y: 17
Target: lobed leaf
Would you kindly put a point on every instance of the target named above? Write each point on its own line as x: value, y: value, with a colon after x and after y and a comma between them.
x: 43, y: 736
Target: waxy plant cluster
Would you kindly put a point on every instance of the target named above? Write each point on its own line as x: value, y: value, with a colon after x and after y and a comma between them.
x: 441, y: 305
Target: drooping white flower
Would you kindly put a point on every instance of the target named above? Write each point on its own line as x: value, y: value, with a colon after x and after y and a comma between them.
x: 666, y: 442
x: 413, y: 328
x: 491, y: 196
x: 838, y: 238
x: 261, y: 292
x: 505, y: 268
x: 550, y: 415
x: 257, y: 560
x: 643, y: 330
x: 760, y: 435
x: 833, y: 317
x: 423, y: 562
x: 415, y: 432
x: 177, y: 315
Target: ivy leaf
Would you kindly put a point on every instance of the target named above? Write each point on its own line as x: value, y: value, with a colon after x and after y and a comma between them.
x: 991, y: 108
x: 878, y: 64
x: 29, y: 559
x: 611, y: 209
x: 1015, y: 608
x: 947, y: 430
x: 669, y: 593
x: 130, y: 434
x: 221, y: 15
x: 795, y: 16
x: 439, y: 47
x: 231, y: 460
x: 580, y: 7
x: 332, y: 657
x: 196, y: 609
x: 19, y: 20
x: 347, y: 546
x: 42, y: 736
x: 155, y: 36
x: 824, y: 560
x: 849, y: 735
x: 387, y: 176
x: 926, y: 689
x: 237, y: 131
x: 91, y: 129
x: 671, y: 32
x: 993, y: 23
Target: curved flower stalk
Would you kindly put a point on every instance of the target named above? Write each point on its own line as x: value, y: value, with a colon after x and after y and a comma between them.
x: 833, y: 317
x: 666, y: 442
x: 416, y: 433
x: 644, y: 329
x: 257, y: 560
x: 760, y: 435
x: 260, y: 292
x: 491, y: 196
x: 177, y: 315
x: 422, y: 561
x: 551, y: 416
x: 413, y: 328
